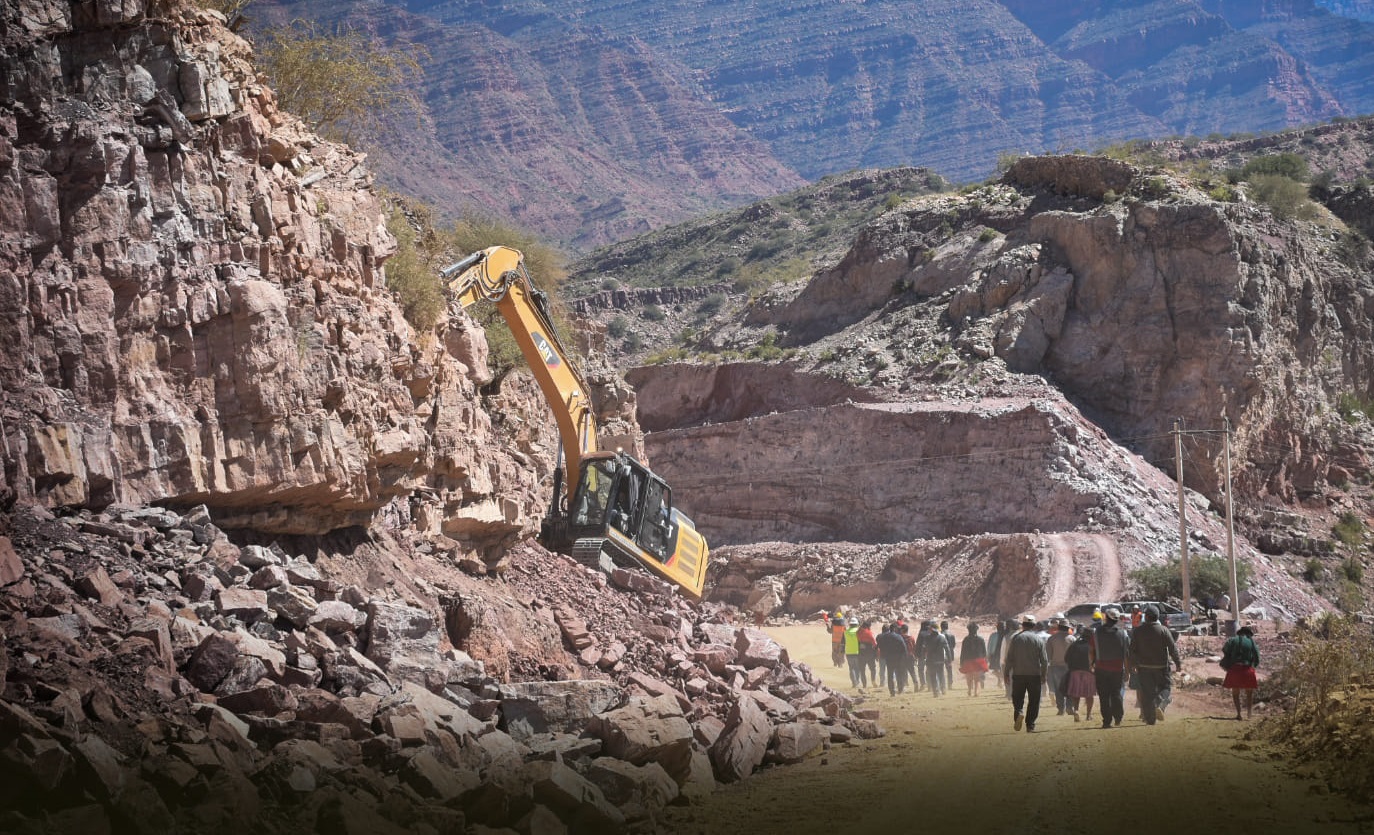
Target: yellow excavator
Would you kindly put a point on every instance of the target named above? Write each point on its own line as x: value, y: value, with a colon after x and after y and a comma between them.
x: 610, y: 509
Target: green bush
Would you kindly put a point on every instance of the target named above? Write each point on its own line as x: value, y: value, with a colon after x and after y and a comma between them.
x: 1351, y: 407
x: 1353, y: 570
x: 1312, y: 570
x: 412, y: 272
x: 654, y: 313
x: 1286, y: 197
x: 1289, y: 165
x: 1349, y: 530
x: 617, y: 327
x: 1209, y: 575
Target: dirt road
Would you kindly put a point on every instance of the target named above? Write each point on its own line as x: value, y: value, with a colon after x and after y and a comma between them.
x: 954, y: 764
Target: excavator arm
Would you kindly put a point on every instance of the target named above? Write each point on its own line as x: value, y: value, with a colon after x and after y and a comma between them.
x: 612, y: 509
x: 498, y: 275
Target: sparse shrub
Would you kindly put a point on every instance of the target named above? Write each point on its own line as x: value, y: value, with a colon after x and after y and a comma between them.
x: 828, y: 355
x: 1110, y: 196
x: 1353, y: 570
x: 1353, y: 248
x: 892, y: 202
x: 654, y: 313
x: 1223, y: 193
x: 712, y: 304
x: 988, y: 234
x: 1351, y: 597
x: 1312, y: 570
x: 412, y: 273
x: 1349, y: 530
x: 1353, y: 407
x: 767, y: 248
x: 345, y: 85
x: 617, y: 327
x: 727, y: 267
x: 610, y: 285
x: 1157, y: 187
x: 633, y: 343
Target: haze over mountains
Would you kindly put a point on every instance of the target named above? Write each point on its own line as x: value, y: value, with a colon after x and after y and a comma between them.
x: 592, y: 121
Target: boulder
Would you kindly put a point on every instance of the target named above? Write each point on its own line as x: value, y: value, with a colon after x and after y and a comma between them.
x: 575, y: 798
x: 795, y: 741
x: 401, y: 639
x: 743, y: 743
x: 245, y: 604
x: 294, y: 605
x: 640, y: 792
x: 97, y: 585
x: 756, y: 649
x: 431, y: 778
x: 715, y: 657
x: 211, y: 662
x: 645, y: 731
x: 334, y: 616
x: 11, y: 567
x: 539, y: 707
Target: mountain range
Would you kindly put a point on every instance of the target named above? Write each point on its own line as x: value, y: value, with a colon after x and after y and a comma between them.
x: 589, y: 122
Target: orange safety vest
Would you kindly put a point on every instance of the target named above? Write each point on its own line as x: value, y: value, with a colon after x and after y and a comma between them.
x: 837, y: 632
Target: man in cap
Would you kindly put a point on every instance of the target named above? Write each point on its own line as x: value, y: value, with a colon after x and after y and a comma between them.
x: 1057, y: 646
x: 1110, y: 657
x: 1026, y: 664
x: 1152, y: 645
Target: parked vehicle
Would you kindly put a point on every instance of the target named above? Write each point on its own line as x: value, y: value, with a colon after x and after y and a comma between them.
x: 1170, y: 615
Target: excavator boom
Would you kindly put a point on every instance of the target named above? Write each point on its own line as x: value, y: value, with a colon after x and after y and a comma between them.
x: 613, y: 509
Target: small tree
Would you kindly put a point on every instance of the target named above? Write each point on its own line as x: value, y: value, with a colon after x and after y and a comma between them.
x: 343, y: 85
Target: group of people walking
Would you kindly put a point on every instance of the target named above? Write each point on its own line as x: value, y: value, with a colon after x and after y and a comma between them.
x: 1074, y: 664
x: 895, y: 658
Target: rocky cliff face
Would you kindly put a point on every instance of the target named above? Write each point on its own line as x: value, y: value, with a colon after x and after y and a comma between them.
x: 245, y: 507
x: 195, y: 300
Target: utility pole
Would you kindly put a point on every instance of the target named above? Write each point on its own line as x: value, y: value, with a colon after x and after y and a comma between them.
x: 1182, y: 521
x: 1231, y: 536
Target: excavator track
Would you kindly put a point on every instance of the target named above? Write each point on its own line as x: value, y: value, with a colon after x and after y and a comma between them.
x: 591, y: 552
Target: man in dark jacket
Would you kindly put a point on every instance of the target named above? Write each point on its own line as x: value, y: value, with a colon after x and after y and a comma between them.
x: 1111, y: 657
x: 1026, y: 665
x: 1152, y: 645
x: 932, y: 652
x: 893, y: 651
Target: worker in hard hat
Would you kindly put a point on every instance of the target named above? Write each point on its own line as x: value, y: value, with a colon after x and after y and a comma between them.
x: 837, y: 627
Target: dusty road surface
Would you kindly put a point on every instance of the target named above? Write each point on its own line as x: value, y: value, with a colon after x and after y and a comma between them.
x: 955, y: 764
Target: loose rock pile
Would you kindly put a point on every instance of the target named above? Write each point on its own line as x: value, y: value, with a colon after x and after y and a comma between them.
x: 157, y: 677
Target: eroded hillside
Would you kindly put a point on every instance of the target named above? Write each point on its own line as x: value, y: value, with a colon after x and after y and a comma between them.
x: 1017, y: 355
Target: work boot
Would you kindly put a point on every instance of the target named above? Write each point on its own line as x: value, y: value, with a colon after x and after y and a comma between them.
x: 1016, y: 723
x: 1075, y: 716
x: 1159, y: 714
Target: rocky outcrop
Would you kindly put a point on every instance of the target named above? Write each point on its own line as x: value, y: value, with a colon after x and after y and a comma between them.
x: 195, y: 301
x: 964, y: 325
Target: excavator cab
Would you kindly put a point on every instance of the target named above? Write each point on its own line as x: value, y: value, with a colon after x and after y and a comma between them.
x: 621, y: 513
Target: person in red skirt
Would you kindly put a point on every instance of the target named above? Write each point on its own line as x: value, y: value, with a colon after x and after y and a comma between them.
x: 973, y: 660
x: 1240, y: 657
